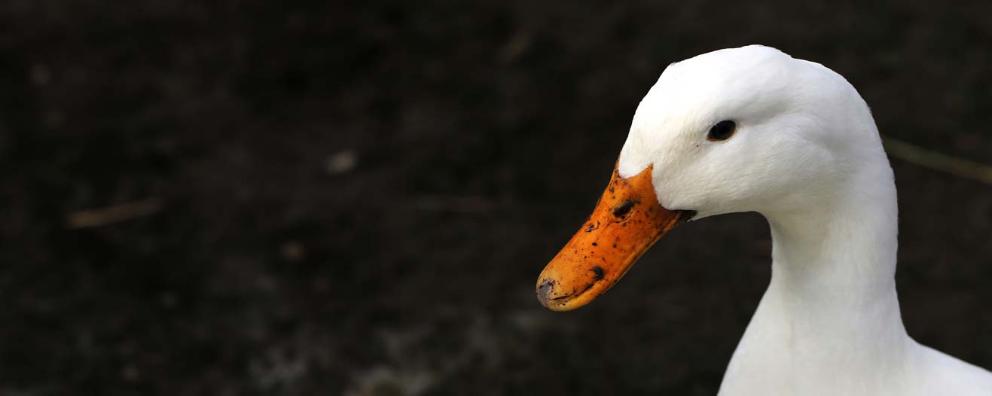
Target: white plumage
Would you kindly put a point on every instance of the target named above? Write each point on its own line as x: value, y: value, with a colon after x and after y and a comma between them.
x: 806, y: 154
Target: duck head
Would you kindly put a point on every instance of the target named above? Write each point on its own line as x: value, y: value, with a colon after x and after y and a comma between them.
x: 734, y: 130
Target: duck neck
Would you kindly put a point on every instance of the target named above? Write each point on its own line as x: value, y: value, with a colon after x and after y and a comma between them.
x: 837, y: 267
x: 832, y: 294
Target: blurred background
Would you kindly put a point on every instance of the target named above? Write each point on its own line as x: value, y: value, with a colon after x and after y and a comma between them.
x: 252, y: 197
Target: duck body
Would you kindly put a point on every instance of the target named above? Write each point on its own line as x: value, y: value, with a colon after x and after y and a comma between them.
x: 806, y: 154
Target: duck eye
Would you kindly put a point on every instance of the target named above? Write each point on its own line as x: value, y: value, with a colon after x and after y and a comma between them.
x: 723, y: 130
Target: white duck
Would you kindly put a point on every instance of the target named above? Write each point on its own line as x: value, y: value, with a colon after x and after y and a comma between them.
x: 753, y: 129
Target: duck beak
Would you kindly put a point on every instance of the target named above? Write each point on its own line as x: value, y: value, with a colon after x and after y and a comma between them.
x: 627, y: 220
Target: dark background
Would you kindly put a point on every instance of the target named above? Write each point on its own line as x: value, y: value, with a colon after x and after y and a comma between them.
x: 329, y: 198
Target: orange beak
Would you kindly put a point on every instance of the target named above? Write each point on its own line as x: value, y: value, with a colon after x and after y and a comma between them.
x: 627, y: 220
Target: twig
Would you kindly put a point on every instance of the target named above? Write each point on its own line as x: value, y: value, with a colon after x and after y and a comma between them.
x: 931, y: 159
x: 113, y: 214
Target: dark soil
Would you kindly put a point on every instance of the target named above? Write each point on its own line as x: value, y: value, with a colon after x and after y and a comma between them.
x: 357, y: 198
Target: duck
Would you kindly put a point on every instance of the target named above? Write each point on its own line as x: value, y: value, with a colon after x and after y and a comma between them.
x: 752, y: 129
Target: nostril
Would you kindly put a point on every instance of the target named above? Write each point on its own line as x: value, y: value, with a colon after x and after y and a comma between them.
x: 624, y: 208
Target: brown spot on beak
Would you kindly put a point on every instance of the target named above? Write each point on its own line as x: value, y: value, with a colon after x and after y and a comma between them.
x: 598, y: 271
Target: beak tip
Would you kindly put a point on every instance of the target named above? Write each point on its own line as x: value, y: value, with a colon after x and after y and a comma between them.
x: 545, y: 289
x: 552, y: 301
